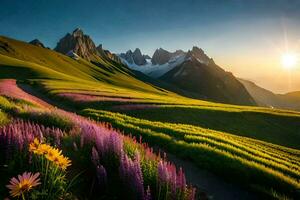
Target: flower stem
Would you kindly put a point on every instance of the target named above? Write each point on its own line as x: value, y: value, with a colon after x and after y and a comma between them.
x: 23, y: 197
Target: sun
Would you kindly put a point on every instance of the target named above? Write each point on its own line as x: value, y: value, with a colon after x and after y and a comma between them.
x: 289, y: 60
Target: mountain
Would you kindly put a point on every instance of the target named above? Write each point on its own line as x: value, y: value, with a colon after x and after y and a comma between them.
x: 138, y: 57
x: 146, y: 57
x: 193, y: 74
x: 291, y: 100
x: 199, y: 54
x: 54, y: 71
x: 162, y: 56
x: 261, y: 96
x: 267, y: 98
x: 249, y: 142
x: 38, y: 43
x: 107, y: 54
x: 134, y: 58
x: 199, y: 74
x: 152, y: 68
x: 79, y: 43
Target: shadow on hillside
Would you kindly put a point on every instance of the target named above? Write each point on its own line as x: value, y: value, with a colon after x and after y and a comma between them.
x: 21, y: 73
x: 277, y: 129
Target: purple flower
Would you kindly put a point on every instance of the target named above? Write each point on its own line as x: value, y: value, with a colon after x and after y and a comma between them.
x: 95, y: 157
x: 101, y: 175
x: 148, y: 194
x: 131, y: 175
x: 17, y: 135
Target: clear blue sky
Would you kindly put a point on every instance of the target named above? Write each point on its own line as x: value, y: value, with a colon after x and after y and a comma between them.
x: 226, y: 29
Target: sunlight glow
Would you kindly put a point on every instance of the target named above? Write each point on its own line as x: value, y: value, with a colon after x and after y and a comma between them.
x: 289, y: 60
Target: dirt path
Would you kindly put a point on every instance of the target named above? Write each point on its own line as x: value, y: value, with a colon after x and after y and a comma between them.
x: 214, y: 187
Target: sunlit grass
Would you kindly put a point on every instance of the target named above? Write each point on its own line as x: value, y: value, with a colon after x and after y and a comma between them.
x: 249, y: 161
x: 3, y: 118
x: 250, y: 147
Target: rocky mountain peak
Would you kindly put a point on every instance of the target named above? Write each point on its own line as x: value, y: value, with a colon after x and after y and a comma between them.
x: 129, y: 52
x: 146, y: 56
x: 107, y: 54
x: 137, y: 51
x: 160, y: 56
x: 77, y: 32
x: 79, y: 43
x: 100, y: 46
x: 135, y: 57
x: 196, y: 49
x: 178, y: 52
x: 198, y: 54
x: 127, y: 56
x: 138, y: 57
x: 37, y: 42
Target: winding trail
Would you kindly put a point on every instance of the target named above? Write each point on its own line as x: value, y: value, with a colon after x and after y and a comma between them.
x: 210, y: 185
x: 214, y: 187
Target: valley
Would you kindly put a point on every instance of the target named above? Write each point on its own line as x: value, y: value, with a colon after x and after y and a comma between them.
x: 87, y: 97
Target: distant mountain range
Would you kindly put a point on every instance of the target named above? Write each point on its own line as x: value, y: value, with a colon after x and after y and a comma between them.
x: 267, y: 98
x: 135, y: 57
x: 190, y: 73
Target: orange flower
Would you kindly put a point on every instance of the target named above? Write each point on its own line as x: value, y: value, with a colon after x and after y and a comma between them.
x: 24, y: 183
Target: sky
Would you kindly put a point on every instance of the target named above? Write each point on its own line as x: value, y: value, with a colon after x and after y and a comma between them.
x: 246, y: 37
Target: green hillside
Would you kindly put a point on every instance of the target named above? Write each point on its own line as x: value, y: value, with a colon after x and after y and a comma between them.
x: 269, y: 127
x: 253, y: 163
x: 255, y: 147
x: 57, y: 72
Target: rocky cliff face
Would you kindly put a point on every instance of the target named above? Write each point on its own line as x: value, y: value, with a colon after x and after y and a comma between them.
x: 79, y: 43
x: 138, y: 57
x: 107, y: 54
x: 135, y: 57
x: 127, y: 56
x: 161, y: 56
x: 146, y: 56
x: 38, y: 43
x: 199, y: 74
x: 199, y: 54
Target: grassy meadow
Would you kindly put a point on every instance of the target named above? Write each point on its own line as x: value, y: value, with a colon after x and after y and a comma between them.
x: 253, y: 147
x: 255, y: 163
x: 91, y: 157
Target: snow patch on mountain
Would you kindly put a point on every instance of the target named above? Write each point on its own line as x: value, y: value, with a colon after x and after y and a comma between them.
x: 156, y: 71
x: 202, y: 61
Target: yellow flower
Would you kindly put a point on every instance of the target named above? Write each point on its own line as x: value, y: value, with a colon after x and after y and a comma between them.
x: 43, y: 149
x: 34, y: 145
x: 63, y: 162
x: 24, y: 183
x: 52, y: 154
x: 38, y: 148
